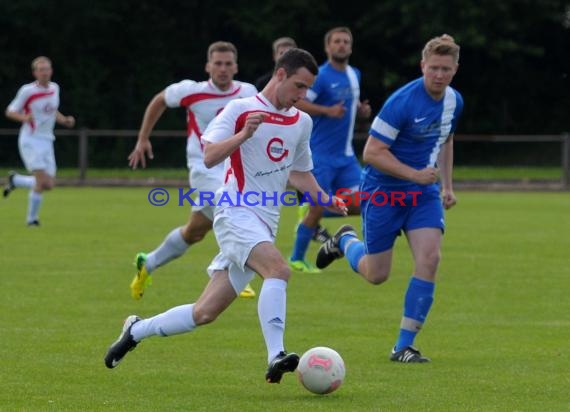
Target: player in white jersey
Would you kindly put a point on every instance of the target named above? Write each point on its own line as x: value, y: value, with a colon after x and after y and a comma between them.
x: 264, y: 141
x: 202, y: 101
x: 36, y: 107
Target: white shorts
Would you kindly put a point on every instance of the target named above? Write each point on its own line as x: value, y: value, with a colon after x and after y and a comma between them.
x: 37, y: 154
x: 206, y: 181
x: 238, y: 230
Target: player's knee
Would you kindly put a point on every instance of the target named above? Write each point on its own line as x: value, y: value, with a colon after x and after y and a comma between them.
x: 282, y: 271
x: 203, y: 316
x: 374, y: 271
x: 430, y: 261
x: 193, y: 235
x: 433, y: 258
x: 42, y: 187
x: 44, y: 182
x: 377, y: 276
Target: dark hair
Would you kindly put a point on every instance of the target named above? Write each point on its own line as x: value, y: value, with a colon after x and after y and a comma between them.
x: 294, y: 59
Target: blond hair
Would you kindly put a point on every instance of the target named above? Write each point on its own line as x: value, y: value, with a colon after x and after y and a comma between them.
x: 222, y: 46
x: 443, y: 45
x: 40, y: 59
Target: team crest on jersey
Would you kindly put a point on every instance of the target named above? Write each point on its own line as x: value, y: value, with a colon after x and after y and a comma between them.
x: 48, y: 108
x: 276, y: 150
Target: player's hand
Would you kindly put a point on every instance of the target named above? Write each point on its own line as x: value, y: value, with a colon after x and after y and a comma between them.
x: 336, y: 111
x: 69, y: 121
x: 252, y: 122
x: 448, y: 199
x: 28, y: 118
x: 426, y: 176
x: 337, y: 206
x: 364, y: 109
x: 142, y: 150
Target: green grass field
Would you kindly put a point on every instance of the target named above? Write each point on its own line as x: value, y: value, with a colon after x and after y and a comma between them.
x: 460, y: 173
x: 497, y: 334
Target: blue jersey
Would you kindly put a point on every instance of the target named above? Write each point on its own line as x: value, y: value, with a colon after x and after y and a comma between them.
x: 415, y: 126
x: 331, y: 138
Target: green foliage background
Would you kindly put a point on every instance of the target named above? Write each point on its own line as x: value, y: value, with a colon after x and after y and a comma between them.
x: 111, y: 57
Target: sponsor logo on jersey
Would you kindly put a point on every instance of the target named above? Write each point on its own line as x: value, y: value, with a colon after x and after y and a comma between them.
x: 275, y: 149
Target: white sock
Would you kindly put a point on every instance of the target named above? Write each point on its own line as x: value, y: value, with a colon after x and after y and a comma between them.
x: 172, y: 247
x: 34, y: 203
x: 271, y: 309
x: 24, y: 181
x: 172, y: 322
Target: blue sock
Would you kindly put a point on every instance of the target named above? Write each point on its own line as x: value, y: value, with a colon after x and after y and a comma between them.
x: 304, y: 235
x: 353, y: 250
x: 417, y: 304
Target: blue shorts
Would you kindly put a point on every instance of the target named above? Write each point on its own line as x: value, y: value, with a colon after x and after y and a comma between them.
x: 396, y: 209
x: 332, y: 178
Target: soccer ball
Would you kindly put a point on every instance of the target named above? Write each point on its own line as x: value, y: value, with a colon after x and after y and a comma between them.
x: 321, y: 370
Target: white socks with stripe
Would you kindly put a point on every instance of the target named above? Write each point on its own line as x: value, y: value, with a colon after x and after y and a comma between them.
x: 271, y: 309
x: 172, y: 322
x: 24, y: 181
x: 171, y: 248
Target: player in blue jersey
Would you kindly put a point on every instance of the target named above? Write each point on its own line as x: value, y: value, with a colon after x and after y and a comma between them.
x: 334, y: 103
x: 410, y: 144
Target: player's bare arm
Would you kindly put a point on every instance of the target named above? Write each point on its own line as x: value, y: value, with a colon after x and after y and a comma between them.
x: 305, y: 182
x: 67, y: 121
x: 363, y: 111
x: 215, y: 153
x: 143, y: 147
x: 377, y: 154
x: 445, y: 163
x: 19, y: 117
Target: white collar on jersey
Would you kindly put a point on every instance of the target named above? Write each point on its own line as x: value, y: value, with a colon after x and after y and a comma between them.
x: 231, y: 88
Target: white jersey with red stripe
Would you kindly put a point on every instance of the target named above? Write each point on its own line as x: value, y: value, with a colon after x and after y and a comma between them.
x: 256, y: 173
x: 202, y: 101
x: 42, y: 103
